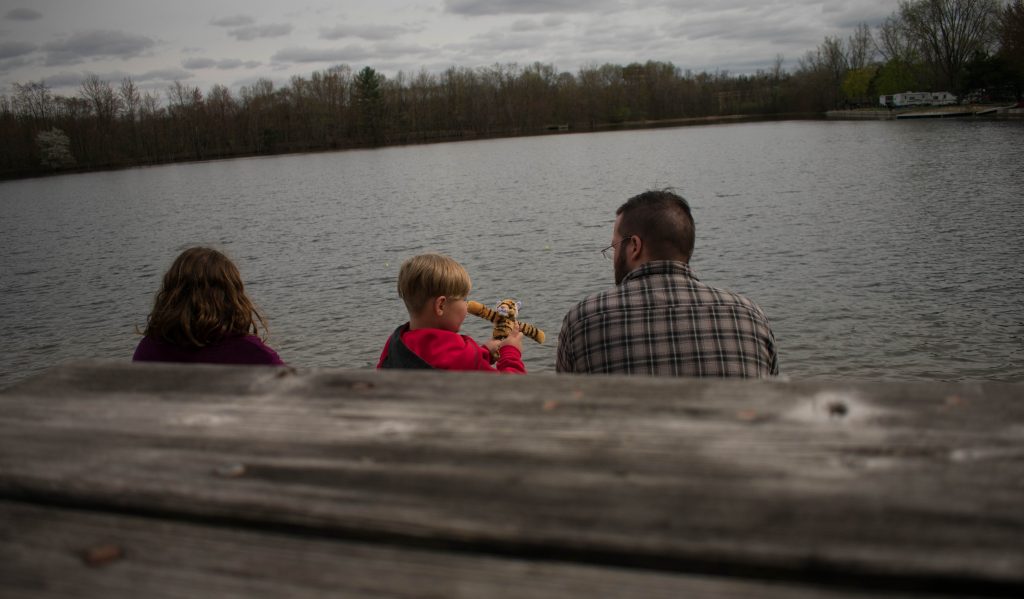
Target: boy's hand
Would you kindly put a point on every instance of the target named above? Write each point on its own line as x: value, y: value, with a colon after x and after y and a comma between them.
x: 515, y: 339
x: 492, y: 347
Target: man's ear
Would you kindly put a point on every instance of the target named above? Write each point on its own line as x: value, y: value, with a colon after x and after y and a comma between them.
x: 636, y: 247
x: 439, y: 304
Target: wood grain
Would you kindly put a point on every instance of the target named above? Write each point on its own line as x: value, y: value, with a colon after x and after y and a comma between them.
x: 42, y: 549
x: 898, y: 487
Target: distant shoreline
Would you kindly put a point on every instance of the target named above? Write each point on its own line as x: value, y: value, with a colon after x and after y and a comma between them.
x: 971, y: 110
x: 854, y: 114
x: 467, y: 135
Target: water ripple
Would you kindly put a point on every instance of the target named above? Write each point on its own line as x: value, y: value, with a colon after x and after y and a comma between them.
x: 875, y: 255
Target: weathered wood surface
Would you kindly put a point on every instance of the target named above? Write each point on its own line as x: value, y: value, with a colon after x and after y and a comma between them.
x: 46, y: 554
x: 899, y: 488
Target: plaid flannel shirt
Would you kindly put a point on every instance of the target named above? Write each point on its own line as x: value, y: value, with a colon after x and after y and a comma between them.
x: 662, y: 320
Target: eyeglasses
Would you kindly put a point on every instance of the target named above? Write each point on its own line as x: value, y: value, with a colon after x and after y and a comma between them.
x: 609, y: 252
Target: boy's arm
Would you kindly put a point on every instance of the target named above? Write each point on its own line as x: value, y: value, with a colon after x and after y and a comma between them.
x: 510, y: 359
x: 510, y: 352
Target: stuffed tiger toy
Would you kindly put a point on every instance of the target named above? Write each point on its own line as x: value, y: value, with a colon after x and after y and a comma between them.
x: 503, y: 316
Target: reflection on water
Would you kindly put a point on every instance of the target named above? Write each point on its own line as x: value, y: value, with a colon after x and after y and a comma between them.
x: 882, y: 250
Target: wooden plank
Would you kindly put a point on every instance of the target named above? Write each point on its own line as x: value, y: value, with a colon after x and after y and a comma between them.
x: 64, y: 553
x: 914, y: 486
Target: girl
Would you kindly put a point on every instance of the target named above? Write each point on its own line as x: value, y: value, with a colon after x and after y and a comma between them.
x: 202, y: 314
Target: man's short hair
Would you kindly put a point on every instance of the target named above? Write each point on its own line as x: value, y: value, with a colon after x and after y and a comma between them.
x: 427, y: 276
x: 662, y: 219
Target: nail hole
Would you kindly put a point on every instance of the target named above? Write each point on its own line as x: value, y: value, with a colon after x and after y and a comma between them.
x: 837, y: 409
x: 101, y: 555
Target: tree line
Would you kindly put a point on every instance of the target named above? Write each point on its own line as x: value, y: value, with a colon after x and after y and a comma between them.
x: 971, y: 48
x: 960, y: 46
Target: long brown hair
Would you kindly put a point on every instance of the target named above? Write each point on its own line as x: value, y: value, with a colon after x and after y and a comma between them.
x: 201, y: 301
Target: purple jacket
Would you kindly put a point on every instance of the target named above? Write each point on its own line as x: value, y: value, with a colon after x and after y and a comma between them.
x: 241, y: 349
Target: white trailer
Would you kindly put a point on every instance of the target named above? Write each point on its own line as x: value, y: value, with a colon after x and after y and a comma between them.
x: 917, y: 99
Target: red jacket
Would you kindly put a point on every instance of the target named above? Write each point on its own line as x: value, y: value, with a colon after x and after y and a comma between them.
x: 446, y: 350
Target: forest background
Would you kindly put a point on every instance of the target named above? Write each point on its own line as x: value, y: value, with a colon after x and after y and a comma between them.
x: 972, y: 48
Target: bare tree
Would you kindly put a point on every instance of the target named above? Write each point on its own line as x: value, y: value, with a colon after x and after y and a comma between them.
x: 949, y: 32
x: 892, y: 41
x: 1011, y: 29
x: 71, y: 109
x: 221, y: 109
x: 100, y: 95
x: 33, y: 100
x: 860, y: 47
x: 220, y: 103
x: 130, y: 98
x: 150, y: 105
x: 1011, y: 42
x: 182, y: 98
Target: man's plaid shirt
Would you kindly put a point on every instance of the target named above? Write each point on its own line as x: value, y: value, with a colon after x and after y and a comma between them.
x: 662, y: 320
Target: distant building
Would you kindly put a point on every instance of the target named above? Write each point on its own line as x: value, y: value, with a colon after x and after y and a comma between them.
x: 917, y: 99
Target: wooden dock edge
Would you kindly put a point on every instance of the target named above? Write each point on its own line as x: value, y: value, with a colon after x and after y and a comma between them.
x: 806, y: 487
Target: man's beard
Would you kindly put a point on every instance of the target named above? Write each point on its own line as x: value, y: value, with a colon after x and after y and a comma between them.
x: 620, y: 264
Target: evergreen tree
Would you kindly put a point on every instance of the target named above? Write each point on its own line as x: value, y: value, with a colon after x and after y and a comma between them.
x: 369, y: 105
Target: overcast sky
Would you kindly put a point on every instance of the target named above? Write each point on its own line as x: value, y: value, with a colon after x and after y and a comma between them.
x: 235, y: 42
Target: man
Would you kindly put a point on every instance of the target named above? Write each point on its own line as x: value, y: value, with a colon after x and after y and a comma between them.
x: 660, y: 319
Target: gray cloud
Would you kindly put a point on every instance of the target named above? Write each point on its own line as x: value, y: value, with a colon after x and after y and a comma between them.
x: 107, y: 44
x: 497, y: 42
x: 389, y: 51
x: 693, y: 34
x: 225, y: 64
x: 738, y: 35
x: 604, y: 35
x: 14, y: 49
x: 198, y: 63
x: 847, y: 16
x: 66, y: 80
x: 475, y: 8
x: 23, y: 14
x: 525, y: 25
x: 234, y: 63
x: 349, y: 53
x: 366, y: 32
x: 71, y: 80
x: 170, y: 74
x: 814, y: 19
x: 233, y: 21
x: 260, y: 31
x: 248, y: 81
x: 743, y: 29
x: 778, y: 31
x: 9, y: 65
x: 548, y: 22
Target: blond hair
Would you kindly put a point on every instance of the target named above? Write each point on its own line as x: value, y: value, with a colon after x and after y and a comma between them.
x: 427, y: 276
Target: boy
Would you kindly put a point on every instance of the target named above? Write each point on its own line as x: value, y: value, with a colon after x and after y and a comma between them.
x: 434, y: 289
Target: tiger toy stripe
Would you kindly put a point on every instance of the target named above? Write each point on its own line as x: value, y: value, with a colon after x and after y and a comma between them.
x: 503, y: 316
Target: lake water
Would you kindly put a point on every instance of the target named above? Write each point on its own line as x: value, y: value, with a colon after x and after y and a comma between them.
x: 879, y: 250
